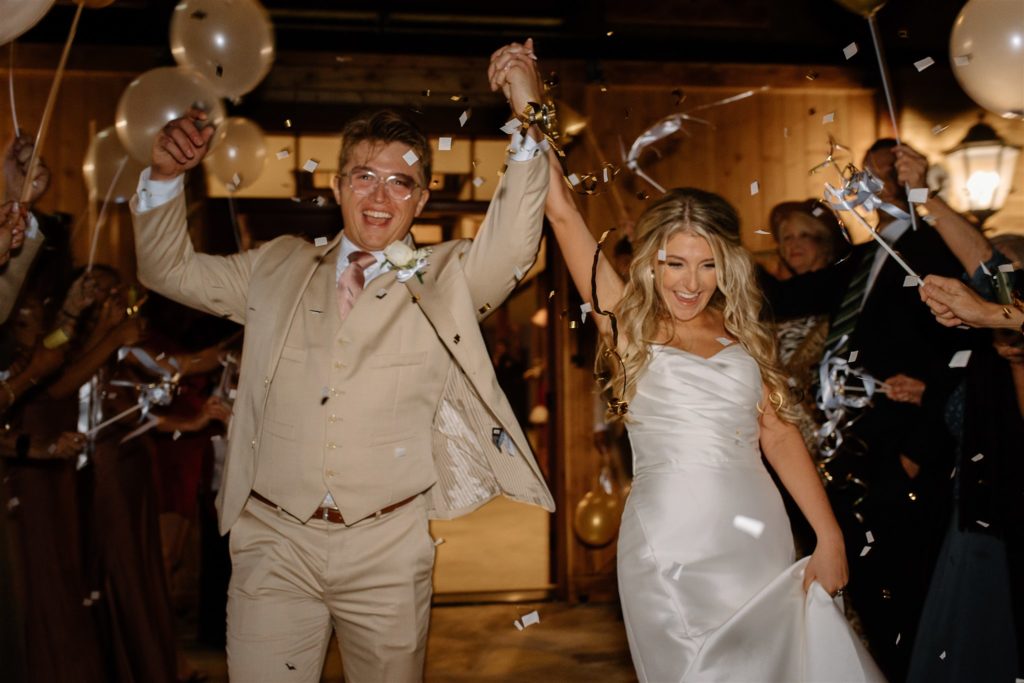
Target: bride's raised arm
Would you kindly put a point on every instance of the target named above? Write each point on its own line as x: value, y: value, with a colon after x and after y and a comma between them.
x: 578, y: 245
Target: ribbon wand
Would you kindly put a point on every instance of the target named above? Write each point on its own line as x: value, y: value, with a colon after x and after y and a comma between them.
x: 839, y: 201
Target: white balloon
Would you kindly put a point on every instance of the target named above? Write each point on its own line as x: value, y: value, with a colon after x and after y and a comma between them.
x: 19, y: 16
x: 231, y: 42
x: 105, y: 160
x: 986, y: 48
x: 155, y: 98
x: 240, y: 154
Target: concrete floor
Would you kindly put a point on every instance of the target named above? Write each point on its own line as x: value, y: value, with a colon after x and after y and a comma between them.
x: 479, y: 643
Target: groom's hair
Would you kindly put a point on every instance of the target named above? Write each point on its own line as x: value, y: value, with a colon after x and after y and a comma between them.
x: 385, y: 126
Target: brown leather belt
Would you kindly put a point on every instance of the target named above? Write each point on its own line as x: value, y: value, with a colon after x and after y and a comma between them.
x: 334, y: 514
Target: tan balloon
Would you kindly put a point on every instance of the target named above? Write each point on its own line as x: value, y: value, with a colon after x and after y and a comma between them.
x: 596, y: 521
x: 104, y: 157
x: 156, y: 97
x: 19, y: 16
x: 239, y: 155
x: 231, y: 42
x: 986, y: 48
x: 865, y: 8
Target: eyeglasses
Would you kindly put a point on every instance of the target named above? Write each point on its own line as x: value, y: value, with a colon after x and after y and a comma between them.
x: 363, y: 181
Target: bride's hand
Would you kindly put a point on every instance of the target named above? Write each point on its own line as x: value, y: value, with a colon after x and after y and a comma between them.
x: 827, y: 566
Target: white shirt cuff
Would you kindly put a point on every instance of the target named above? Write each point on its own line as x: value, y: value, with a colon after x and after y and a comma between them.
x: 154, y: 193
x: 523, y: 147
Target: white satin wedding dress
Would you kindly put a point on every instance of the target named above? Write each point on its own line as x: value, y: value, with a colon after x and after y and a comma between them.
x: 708, y: 585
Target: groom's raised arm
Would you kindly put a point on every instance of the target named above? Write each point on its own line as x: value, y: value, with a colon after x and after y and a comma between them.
x: 506, y: 245
x: 168, y: 264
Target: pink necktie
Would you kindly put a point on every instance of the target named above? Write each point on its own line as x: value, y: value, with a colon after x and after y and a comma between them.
x: 352, y: 280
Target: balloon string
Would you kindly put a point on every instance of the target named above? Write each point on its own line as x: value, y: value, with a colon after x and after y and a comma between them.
x: 10, y: 88
x: 235, y: 231
x: 883, y: 69
x: 103, y: 214
x: 44, y: 122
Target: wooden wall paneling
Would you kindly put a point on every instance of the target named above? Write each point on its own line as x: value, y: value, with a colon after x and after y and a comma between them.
x: 84, y: 96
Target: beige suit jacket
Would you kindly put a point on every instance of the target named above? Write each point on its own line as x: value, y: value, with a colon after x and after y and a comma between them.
x: 400, y: 399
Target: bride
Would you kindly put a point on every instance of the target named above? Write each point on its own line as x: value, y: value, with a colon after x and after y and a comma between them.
x: 707, y: 579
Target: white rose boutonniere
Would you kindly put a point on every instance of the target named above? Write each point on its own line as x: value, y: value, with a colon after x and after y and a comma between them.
x: 406, y: 260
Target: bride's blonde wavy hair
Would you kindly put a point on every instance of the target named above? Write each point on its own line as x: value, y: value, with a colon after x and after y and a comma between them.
x: 643, y: 314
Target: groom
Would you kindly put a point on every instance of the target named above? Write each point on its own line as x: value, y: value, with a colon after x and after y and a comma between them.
x: 359, y: 414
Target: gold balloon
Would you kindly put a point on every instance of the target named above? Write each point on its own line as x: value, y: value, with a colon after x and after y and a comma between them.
x: 105, y: 160
x: 239, y: 154
x: 19, y: 16
x: 865, y: 8
x: 597, y: 518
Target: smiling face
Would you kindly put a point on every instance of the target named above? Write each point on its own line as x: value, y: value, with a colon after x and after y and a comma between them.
x: 688, y: 278
x: 802, y: 243
x: 375, y: 220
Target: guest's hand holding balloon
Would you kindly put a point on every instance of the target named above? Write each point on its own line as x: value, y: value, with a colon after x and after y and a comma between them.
x: 16, y: 160
x: 181, y: 145
x: 911, y: 166
x: 12, y: 229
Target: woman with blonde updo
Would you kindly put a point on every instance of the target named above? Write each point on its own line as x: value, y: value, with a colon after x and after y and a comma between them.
x: 707, y: 581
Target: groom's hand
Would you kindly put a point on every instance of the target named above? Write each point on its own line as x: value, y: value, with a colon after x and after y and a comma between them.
x: 513, y: 70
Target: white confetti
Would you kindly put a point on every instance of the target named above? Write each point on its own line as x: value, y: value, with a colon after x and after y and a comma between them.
x: 828, y: 118
x: 724, y: 341
x: 962, y: 60
x: 912, y: 281
x: 1006, y: 268
x: 319, y: 241
x: 761, y: 231
x: 960, y: 359
x: 320, y: 200
x: 853, y: 356
x: 284, y: 153
x: 585, y: 308
x: 95, y: 595
x: 850, y: 50
x: 865, y: 550
x: 978, y: 458
x: 943, y: 655
x: 438, y: 541
x: 531, y: 619
x: 400, y: 452
x: 511, y: 126
x: 938, y: 128
x: 898, y: 636
x: 478, y: 181
x: 310, y: 166
x: 86, y: 602
x: 870, y: 536
x: 983, y: 525
x: 574, y: 179
x: 606, y: 174
x: 930, y: 219
x: 918, y: 195
x: 463, y: 117
x: 176, y: 435
x: 517, y: 625
x: 13, y: 503
x: 923, y: 64
x: 443, y: 145
x: 817, y: 211
x: 754, y: 188
x: 518, y: 273
x: 410, y: 157
x: 676, y: 571
x: 324, y: 393
x: 232, y: 394
x: 662, y: 255
x: 748, y: 525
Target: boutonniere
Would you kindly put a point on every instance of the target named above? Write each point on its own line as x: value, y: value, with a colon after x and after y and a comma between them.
x: 406, y: 260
